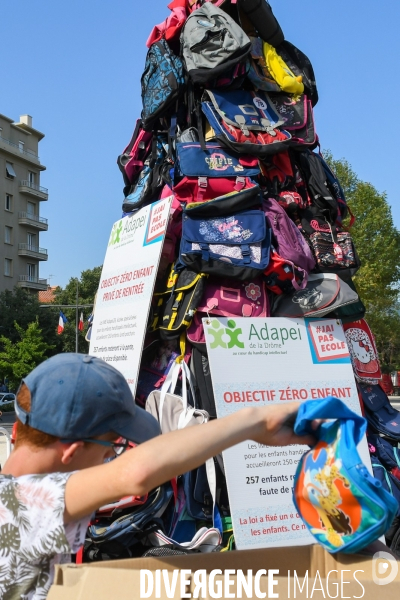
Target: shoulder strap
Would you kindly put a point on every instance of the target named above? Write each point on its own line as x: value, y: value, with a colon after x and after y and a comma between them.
x: 328, y: 408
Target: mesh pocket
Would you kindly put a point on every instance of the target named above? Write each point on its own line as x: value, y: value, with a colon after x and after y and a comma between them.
x: 232, y: 252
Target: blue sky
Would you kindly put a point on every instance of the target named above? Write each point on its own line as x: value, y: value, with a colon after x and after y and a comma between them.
x: 75, y: 67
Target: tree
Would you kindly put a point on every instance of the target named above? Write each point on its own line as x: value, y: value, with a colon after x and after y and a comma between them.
x: 17, y: 359
x: 377, y: 241
x: 87, y: 288
x: 23, y: 307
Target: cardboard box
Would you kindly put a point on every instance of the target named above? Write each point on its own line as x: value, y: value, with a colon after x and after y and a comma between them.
x: 298, y: 572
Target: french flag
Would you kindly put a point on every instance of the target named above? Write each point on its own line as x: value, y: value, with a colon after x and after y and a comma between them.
x: 61, y: 322
x: 80, y: 324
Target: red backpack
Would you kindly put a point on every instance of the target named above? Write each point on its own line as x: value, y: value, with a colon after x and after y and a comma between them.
x: 282, y: 276
x: 363, y: 352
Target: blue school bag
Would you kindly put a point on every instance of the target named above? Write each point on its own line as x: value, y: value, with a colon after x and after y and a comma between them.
x: 388, y: 454
x: 244, y: 121
x: 380, y: 414
x: 163, y: 82
x: 342, y: 505
x: 236, y: 245
x: 215, y: 181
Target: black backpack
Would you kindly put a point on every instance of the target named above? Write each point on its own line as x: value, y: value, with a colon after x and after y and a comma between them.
x: 322, y: 196
x: 200, y: 367
x: 300, y: 64
x: 260, y: 14
x: 176, y: 302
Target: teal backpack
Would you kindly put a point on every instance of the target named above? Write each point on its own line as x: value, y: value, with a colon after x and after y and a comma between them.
x: 343, y: 506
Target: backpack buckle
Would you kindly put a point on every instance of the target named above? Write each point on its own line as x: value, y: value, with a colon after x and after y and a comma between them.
x: 241, y: 121
x: 203, y: 182
x: 240, y: 183
x: 205, y: 253
x: 268, y: 126
x: 246, y: 254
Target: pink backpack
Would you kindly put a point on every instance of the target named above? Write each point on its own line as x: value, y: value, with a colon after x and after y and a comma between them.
x: 131, y: 161
x: 170, y: 28
x: 173, y: 233
x: 228, y: 298
x: 195, y: 4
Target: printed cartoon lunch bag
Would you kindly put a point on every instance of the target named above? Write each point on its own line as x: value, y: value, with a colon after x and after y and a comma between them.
x: 343, y: 506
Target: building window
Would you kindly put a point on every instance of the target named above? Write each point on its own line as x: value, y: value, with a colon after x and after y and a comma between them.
x: 21, y: 146
x: 32, y: 241
x: 8, y: 235
x: 31, y: 208
x: 31, y: 177
x: 8, y: 267
x: 8, y: 203
x: 10, y: 173
x: 31, y: 270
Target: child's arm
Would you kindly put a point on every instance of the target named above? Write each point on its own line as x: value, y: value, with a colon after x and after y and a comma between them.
x: 149, y: 465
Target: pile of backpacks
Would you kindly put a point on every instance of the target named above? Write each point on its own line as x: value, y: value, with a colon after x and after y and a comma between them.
x: 256, y: 229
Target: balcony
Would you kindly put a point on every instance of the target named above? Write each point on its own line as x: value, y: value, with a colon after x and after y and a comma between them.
x: 33, y: 283
x: 15, y: 149
x: 32, y: 251
x: 37, y: 191
x: 40, y: 223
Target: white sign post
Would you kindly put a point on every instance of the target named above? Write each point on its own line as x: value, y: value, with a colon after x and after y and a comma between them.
x: 256, y: 362
x: 126, y: 288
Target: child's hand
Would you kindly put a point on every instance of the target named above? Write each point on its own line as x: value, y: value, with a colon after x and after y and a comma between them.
x: 276, y: 426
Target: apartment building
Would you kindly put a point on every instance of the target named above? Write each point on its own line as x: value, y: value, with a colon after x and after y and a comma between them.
x: 21, y: 197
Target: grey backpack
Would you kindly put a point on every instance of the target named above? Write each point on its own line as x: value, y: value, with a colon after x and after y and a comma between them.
x: 173, y: 411
x: 212, y: 43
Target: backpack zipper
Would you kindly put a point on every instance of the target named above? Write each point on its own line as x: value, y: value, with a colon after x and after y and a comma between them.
x: 336, y: 248
x: 293, y: 240
x: 209, y: 35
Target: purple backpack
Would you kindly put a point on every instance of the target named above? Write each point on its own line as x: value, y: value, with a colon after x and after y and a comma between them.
x: 228, y: 298
x: 286, y: 238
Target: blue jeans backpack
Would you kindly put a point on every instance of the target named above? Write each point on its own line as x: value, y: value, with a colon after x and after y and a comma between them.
x: 235, y: 245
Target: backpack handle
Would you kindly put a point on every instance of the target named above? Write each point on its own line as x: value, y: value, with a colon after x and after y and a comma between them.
x: 328, y: 408
x: 170, y: 383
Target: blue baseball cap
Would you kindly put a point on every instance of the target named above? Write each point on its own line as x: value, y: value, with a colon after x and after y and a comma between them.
x: 75, y: 396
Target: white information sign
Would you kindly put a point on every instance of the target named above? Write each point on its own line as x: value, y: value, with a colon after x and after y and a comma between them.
x: 255, y: 362
x: 126, y: 288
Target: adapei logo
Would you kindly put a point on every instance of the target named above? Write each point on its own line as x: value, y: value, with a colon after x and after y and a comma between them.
x: 115, y: 236
x: 231, y: 333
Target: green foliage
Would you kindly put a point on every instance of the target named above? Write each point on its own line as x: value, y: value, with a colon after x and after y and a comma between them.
x: 23, y: 307
x: 87, y: 288
x: 17, y: 359
x: 378, y: 244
